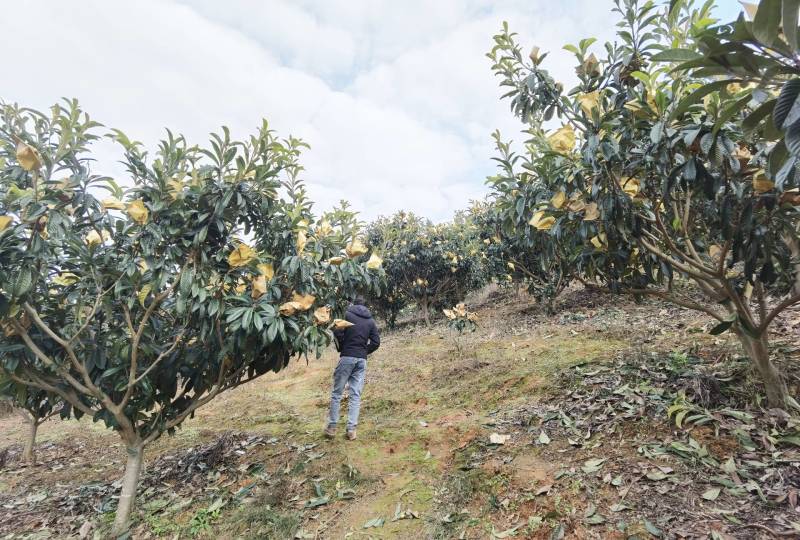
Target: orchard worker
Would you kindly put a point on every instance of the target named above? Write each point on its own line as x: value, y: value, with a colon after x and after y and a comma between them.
x: 355, y: 339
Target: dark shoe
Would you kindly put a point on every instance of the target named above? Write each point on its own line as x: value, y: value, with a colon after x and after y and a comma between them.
x: 330, y: 432
x: 351, y: 435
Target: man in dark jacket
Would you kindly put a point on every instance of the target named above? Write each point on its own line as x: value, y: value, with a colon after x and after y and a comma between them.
x: 354, y: 344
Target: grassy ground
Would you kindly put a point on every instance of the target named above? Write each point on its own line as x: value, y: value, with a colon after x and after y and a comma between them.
x: 428, y: 410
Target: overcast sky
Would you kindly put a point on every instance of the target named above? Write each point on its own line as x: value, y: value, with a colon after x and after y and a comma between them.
x: 396, y: 98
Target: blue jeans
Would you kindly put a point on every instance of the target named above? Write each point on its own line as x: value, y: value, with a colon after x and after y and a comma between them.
x: 352, y: 370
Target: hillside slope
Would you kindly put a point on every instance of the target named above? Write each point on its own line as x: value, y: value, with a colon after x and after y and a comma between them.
x: 538, y: 428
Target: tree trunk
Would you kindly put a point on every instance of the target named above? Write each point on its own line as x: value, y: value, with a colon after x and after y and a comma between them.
x: 794, y: 248
x: 549, y: 305
x: 425, y: 311
x: 28, y: 453
x: 758, y: 351
x: 130, y: 482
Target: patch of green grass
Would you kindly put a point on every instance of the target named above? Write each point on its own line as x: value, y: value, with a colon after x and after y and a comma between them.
x: 380, y: 405
x: 425, y: 347
x: 417, y: 454
x: 268, y: 419
x: 256, y: 521
x: 365, y: 453
x: 417, y: 494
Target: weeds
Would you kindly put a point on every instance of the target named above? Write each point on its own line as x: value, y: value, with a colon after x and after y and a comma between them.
x: 258, y: 522
x: 202, y: 520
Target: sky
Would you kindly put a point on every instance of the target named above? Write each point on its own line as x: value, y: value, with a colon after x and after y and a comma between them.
x: 396, y: 98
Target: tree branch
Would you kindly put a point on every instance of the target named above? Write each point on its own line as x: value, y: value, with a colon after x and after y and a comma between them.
x: 134, y: 363
x: 38, y: 382
x: 674, y: 262
x: 100, y: 294
x: 777, y: 310
x: 160, y: 357
x: 46, y: 360
x: 762, y: 301
x: 88, y: 386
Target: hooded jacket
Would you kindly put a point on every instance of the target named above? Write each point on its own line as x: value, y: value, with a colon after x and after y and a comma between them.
x: 360, y: 339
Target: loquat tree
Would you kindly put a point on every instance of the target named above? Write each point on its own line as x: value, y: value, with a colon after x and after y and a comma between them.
x: 661, y: 174
x: 138, y: 306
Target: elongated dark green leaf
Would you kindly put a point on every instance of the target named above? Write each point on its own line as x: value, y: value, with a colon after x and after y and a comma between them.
x: 699, y: 94
x: 767, y: 21
x: 23, y: 282
x: 786, y: 101
x: 793, y: 139
x: 730, y: 112
x: 791, y: 9
x: 675, y: 7
x: 721, y: 327
x: 752, y: 121
x: 186, y: 280
x: 676, y: 55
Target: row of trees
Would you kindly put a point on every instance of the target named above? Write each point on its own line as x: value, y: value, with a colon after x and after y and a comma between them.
x: 433, y: 267
x: 676, y: 157
x: 137, y: 307
x: 430, y: 266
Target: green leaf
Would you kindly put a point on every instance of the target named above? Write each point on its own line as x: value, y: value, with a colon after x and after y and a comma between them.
x: 592, y: 465
x: 374, y: 523
x: 676, y: 55
x: 699, y: 94
x: 596, y: 519
x: 751, y: 122
x: 767, y: 21
x: 792, y: 139
x: 776, y: 158
x: 504, y: 534
x: 730, y: 112
x: 711, y: 494
x: 558, y: 532
x: 23, y: 282
x: 721, y: 327
x: 729, y: 466
x: 216, y: 505
x: 186, y: 280
x: 795, y: 440
x: 652, y: 529
x: 317, y: 501
x: 786, y: 102
x: 5, y: 305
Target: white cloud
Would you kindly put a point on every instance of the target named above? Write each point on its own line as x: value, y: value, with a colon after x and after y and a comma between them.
x: 396, y: 98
